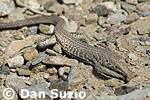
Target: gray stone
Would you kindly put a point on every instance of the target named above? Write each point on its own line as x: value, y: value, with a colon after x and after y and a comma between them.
x: 7, y: 6
x: 91, y: 18
x: 72, y: 1
x: 37, y: 59
x: 142, y: 30
x: 128, y: 7
x: 116, y: 18
x: 15, y: 61
x: 53, y: 7
x: 145, y: 13
x: 42, y: 87
x: 142, y: 0
x: 100, y: 10
x: 112, y: 83
x: 46, y: 29
x: 61, y: 71
x: 131, y: 18
x: 72, y: 26
x: 135, y: 95
x: 13, y: 16
x: 20, y: 44
x: 101, y: 20
x: 132, y: 56
x: 51, y: 52
x: 23, y: 72
x: 144, y: 6
x: 78, y: 18
x: 110, y: 5
x: 5, y: 70
x: 16, y: 82
x: 59, y: 60
x: 33, y: 30
x: 132, y: 1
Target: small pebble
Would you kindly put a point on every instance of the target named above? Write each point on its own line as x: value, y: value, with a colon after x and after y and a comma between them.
x: 101, y: 20
x: 72, y: 1
x: 23, y: 72
x: 100, y: 10
x: 6, y: 7
x: 15, y: 61
x: 116, y: 18
x: 132, y: 1
x: 52, y: 70
x: 91, y: 18
x: 46, y: 29
x: 61, y: 71
x: 30, y: 53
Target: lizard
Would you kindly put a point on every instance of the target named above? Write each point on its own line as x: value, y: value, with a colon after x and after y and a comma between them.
x: 104, y: 61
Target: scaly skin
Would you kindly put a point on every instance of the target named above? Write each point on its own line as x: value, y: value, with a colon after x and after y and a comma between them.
x: 104, y: 61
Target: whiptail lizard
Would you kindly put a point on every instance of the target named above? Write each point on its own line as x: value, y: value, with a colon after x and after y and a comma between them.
x: 104, y: 61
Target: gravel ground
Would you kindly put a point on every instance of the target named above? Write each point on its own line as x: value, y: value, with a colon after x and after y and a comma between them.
x: 101, y: 21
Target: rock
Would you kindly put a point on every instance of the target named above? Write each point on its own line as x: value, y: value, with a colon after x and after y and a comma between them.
x: 13, y: 16
x: 57, y: 48
x: 53, y: 77
x: 15, y: 61
x: 30, y: 53
x: 101, y: 20
x: 5, y: 70
x: 39, y: 68
x: 116, y: 18
x: 51, y: 52
x: 145, y: 13
x: 131, y: 18
x: 132, y: 1
x: 142, y: 0
x: 15, y: 82
x: 7, y: 6
x: 110, y: 5
x: 38, y: 77
x: 144, y: 6
x: 72, y: 26
x: 52, y: 70
x: 59, y: 60
x: 61, y: 71
x: 55, y: 7
x: 136, y: 95
x: 37, y: 59
x: 34, y: 4
x: 128, y: 7
x: 78, y: 18
x: 105, y: 96
x: 23, y: 72
x: 42, y: 87
x: 33, y: 30
x: 19, y: 44
x: 100, y: 10
x: 72, y: 1
x: 2, y: 88
x: 46, y: 29
x: 143, y: 30
x: 91, y: 18
x: 132, y: 56
x: 112, y: 83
